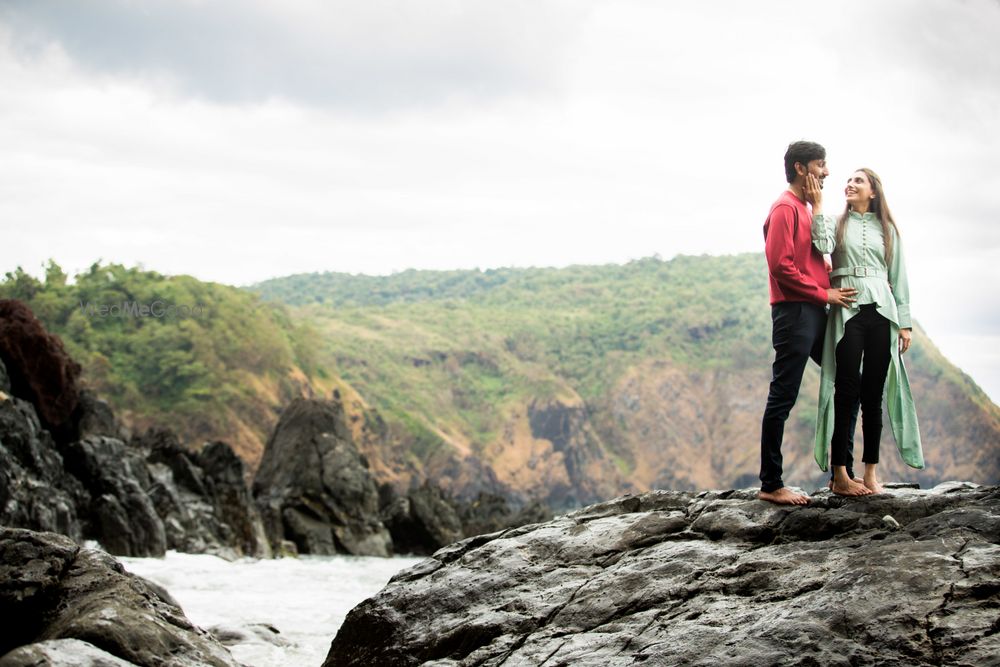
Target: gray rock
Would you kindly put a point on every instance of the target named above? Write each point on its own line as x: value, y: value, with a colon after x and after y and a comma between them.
x: 36, y: 492
x: 62, y: 653
x: 202, y: 498
x: 94, y: 416
x: 315, y: 489
x: 52, y: 589
x: 421, y: 522
x: 717, y: 578
x: 122, y: 516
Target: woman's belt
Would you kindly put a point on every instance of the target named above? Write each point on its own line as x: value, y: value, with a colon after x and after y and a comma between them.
x: 860, y: 272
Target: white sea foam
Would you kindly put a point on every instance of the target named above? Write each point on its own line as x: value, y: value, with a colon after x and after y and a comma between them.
x: 305, y: 598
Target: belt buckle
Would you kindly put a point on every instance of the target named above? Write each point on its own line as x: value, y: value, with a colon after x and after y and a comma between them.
x: 861, y: 271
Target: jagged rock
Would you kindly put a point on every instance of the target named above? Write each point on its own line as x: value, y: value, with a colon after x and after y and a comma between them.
x: 136, y: 499
x: 122, y: 517
x: 35, y: 490
x: 202, y: 497
x: 717, y: 578
x: 51, y: 589
x: 94, y: 416
x: 39, y: 369
x: 421, y: 522
x: 314, y: 488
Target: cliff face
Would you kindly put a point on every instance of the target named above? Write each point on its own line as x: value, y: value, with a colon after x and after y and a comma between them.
x: 717, y: 578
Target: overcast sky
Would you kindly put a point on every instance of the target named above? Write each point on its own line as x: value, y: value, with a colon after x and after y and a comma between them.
x: 238, y: 140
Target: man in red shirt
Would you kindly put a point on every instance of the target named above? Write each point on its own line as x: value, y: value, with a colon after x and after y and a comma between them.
x: 800, y: 289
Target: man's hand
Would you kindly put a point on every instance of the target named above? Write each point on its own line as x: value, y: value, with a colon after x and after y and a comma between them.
x: 843, y: 297
x: 905, y: 335
x: 814, y: 193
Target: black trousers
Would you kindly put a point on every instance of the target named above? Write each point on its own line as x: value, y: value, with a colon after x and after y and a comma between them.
x: 797, y: 332
x: 866, y: 337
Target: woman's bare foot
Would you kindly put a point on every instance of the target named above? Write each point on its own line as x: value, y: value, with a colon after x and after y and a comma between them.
x: 829, y: 484
x: 874, y: 486
x: 871, y: 479
x: 849, y: 487
x: 784, y: 496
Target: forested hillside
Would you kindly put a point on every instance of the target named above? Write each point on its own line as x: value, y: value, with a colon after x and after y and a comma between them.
x: 570, y: 384
x: 578, y: 380
x: 207, y: 360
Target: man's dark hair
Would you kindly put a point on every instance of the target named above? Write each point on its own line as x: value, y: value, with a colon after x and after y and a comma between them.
x: 804, y: 152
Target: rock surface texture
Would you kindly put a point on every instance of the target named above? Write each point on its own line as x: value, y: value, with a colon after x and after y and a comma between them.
x: 63, y: 605
x: 717, y: 578
x: 137, y: 498
x: 314, y: 489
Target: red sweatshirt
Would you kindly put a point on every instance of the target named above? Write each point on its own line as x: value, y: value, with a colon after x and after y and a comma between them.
x: 796, y: 268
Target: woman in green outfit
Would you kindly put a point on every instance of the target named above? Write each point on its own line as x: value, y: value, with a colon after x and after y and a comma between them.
x: 867, y: 255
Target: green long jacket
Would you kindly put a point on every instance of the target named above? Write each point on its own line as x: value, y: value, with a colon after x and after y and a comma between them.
x: 862, y: 258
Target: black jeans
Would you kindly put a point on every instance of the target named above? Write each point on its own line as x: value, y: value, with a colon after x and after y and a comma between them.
x: 797, y: 333
x: 866, y: 335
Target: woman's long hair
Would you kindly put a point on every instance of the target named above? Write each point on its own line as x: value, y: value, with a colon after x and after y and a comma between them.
x: 880, y: 208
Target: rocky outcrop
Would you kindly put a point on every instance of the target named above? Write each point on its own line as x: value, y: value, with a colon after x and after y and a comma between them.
x: 35, y: 489
x: 137, y: 498
x: 488, y: 513
x: 427, y: 518
x: 422, y: 521
x: 202, y: 497
x: 121, y: 515
x: 314, y: 489
x: 64, y: 605
x: 711, y: 578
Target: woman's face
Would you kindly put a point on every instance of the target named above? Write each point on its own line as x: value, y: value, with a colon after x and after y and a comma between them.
x: 859, y: 190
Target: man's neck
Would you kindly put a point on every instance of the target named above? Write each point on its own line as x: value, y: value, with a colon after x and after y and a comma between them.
x: 798, y: 190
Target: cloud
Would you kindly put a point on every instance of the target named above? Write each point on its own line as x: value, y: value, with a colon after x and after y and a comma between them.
x: 372, y: 55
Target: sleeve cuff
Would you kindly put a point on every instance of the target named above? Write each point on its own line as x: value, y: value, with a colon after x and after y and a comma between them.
x: 903, y: 313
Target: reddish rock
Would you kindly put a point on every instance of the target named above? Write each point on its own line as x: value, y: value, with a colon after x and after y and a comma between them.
x: 40, y: 369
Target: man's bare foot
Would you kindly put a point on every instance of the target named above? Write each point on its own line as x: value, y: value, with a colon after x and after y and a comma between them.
x: 874, y: 485
x: 784, y: 496
x: 850, y: 488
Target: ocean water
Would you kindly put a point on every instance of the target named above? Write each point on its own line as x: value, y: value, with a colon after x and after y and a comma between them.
x: 306, y: 599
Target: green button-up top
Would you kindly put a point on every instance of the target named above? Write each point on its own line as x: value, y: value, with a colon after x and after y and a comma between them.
x: 860, y: 263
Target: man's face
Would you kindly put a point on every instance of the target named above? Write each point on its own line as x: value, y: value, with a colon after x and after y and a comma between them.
x: 818, y: 169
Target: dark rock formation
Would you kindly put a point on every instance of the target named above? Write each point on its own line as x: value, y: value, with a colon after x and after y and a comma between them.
x: 488, y: 513
x: 121, y: 515
x: 422, y: 521
x: 94, y: 416
x: 39, y: 369
x: 66, y: 464
x: 136, y: 499
x: 52, y: 591
x: 427, y: 518
x: 314, y: 488
x: 202, y: 497
x: 670, y: 578
x: 35, y: 489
